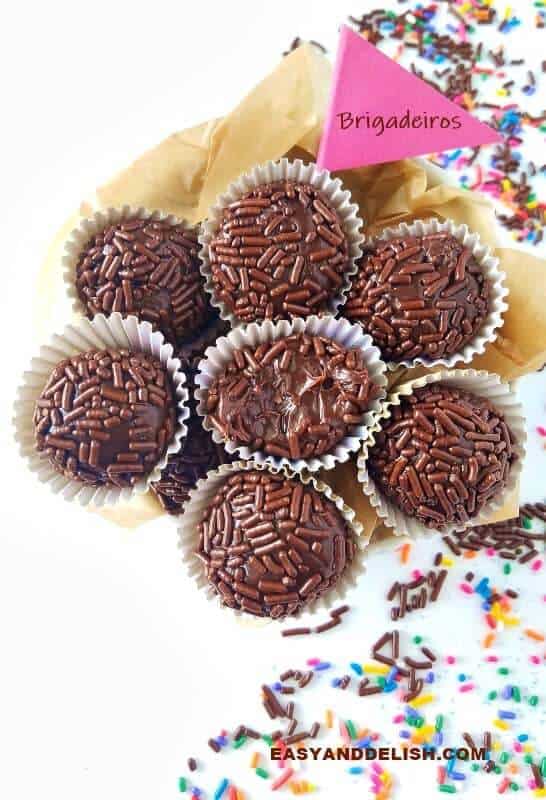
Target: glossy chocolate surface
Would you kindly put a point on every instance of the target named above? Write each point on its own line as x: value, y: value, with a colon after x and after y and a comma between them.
x: 149, y: 268
x: 419, y: 296
x: 105, y: 417
x: 442, y: 455
x: 280, y: 251
x: 295, y: 397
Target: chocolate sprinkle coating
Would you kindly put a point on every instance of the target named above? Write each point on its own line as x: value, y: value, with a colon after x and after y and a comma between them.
x: 149, y: 268
x: 271, y: 545
x: 105, y: 417
x: 280, y: 251
x: 198, y: 454
x: 293, y: 398
x: 419, y: 296
x: 443, y: 455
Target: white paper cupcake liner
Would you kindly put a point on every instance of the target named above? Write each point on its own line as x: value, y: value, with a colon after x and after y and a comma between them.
x: 332, y: 188
x: 115, y: 332
x: 199, y: 500
x: 490, y: 266
x: 339, y: 330
x: 482, y: 384
x: 99, y: 221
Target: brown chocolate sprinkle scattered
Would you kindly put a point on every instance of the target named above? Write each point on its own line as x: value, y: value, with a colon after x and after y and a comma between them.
x: 365, y: 690
x: 537, y: 775
x: 149, y: 268
x: 458, y: 79
x: 443, y: 455
x: 198, y: 454
x: 409, y: 668
x: 276, y: 710
x: 335, y: 619
x: 297, y: 737
x: 469, y: 741
x: 297, y: 42
x: 105, y: 417
x: 419, y: 296
x: 327, y: 626
x: 271, y: 704
x: 510, y: 538
x: 297, y: 631
x: 432, y: 582
x: 293, y: 398
x: 272, y: 545
x: 280, y: 251
x: 338, y: 612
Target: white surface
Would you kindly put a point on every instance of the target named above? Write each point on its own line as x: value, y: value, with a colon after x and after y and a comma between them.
x: 113, y: 671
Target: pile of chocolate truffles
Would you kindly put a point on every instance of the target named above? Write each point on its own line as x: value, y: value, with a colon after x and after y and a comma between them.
x: 269, y: 542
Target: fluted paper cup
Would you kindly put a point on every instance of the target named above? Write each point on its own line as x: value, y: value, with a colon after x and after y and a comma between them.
x: 113, y: 332
x: 482, y: 384
x: 332, y: 188
x: 339, y: 330
x: 199, y: 501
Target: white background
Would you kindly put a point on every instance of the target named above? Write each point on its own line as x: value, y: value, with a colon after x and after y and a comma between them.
x: 112, y: 668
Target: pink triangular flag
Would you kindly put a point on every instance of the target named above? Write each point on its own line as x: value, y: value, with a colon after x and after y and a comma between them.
x: 380, y: 112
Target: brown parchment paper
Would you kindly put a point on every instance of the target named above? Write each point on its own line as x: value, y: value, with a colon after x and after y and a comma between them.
x: 283, y: 116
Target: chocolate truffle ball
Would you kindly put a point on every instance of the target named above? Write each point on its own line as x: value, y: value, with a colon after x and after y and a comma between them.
x: 280, y: 251
x: 442, y: 455
x: 272, y: 545
x: 419, y: 296
x: 198, y: 454
x: 295, y: 397
x: 149, y: 268
x: 105, y: 417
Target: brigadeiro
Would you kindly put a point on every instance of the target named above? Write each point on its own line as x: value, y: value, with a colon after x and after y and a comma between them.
x: 442, y: 455
x: 281, y: 243
x: 198, y: 454
x: 105, y: 417
x: 140, y: 263
x: 295, y: 397
x: 272, y: 545
x: 419, y: 296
